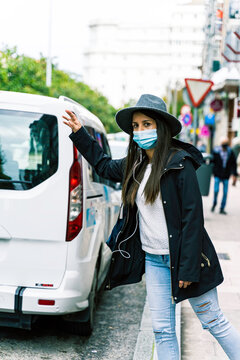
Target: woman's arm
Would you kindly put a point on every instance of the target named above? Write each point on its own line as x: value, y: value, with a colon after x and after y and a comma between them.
x: 92, y: 151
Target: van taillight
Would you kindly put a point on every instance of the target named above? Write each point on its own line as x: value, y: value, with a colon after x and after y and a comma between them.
x: 75, y: 206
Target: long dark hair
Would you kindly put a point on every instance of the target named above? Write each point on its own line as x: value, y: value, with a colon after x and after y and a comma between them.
x: 136, y: 163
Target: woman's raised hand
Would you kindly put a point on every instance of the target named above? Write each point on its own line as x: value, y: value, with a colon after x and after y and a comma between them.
x: 73, y: 121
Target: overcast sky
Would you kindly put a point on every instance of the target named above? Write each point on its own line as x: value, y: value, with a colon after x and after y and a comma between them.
x: 24, y: 23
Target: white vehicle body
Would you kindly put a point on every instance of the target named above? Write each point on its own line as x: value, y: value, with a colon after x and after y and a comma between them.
x: 118, y: 148
x: 40, y: 271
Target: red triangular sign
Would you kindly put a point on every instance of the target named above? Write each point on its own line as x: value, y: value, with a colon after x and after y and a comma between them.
x: 198, y: 89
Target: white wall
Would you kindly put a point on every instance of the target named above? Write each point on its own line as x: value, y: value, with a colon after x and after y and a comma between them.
x: 125, y: 60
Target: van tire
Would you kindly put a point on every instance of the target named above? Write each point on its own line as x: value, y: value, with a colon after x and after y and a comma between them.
x: 81, y: 323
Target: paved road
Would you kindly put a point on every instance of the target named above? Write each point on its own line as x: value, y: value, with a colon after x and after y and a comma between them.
x: 117, y: 318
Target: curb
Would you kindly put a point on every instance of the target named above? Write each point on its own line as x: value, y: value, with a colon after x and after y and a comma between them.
x: 145, y: 349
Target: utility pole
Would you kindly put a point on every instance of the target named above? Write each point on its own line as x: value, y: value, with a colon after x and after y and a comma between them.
x: 174, y: 110
x: 175, y: 92
x: 49, y: 58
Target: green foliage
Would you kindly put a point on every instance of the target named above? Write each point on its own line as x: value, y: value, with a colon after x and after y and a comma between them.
x: 180, y: 102
x: 131, y: 102
x: 23, y: 74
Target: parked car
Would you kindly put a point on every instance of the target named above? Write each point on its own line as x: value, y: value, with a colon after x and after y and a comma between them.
x: 56, y: 214
x: 118, y: 148
x: 119, y: 136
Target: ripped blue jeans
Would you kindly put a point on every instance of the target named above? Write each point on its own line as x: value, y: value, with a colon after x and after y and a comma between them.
x: 206, y: 308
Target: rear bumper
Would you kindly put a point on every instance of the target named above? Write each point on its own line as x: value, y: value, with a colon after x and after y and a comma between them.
x: 70, y: 297
x: 22, y: 300
x: 65, y: 302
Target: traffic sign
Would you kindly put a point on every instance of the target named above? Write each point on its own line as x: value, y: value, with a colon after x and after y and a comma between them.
x: 185, y: 109
x: 217, y: 105
x: 210, y: 119
x: 205, y: 132
x: 187, y: 119
x: 198, y: 89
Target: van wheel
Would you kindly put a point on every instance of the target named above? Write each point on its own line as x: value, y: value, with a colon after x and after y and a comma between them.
x: 81, y: 323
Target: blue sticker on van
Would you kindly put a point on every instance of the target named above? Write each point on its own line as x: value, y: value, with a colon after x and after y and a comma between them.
x: 106, y: 193
x: 90, y: 215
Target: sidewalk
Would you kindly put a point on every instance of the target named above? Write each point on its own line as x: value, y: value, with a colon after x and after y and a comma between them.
x: 196, y: 343
x: 224, y: 230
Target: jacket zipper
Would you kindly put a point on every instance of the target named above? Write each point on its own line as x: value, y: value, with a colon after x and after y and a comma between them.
x: 206, y: 258
x: 166, y: 170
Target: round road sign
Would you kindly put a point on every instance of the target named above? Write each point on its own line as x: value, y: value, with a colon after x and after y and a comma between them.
x: 187, y: 119
x: 185, y: 109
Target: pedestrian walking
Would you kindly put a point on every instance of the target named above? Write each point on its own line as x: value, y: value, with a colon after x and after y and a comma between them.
x: 224, y: 165
x: 160, y: 228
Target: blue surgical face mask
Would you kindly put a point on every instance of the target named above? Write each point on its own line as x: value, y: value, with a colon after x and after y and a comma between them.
x: 145, y: 139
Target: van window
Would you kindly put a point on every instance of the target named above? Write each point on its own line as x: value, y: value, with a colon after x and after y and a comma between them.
x: 98, y: 138
x: 93, y: 176
x: 108, y: 152
x: 102, y: 141
x: 105, y: 145
x: 28, y: 149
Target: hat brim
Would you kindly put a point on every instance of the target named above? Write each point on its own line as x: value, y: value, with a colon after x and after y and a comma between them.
x: 124, y: 119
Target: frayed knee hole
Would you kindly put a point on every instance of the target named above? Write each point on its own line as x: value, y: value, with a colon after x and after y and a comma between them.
x: 202, y: 312
x: 202, y: 305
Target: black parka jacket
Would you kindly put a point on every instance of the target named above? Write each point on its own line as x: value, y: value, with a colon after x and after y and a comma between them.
x: 192, y: 254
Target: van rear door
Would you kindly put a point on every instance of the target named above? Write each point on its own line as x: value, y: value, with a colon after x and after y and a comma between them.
x: 33, y: 201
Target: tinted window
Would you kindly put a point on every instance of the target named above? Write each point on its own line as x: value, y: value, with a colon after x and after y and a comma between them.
x: 102, y: 141
x: 105, y: 145
x: 92, y: 173
x: 108, y: 152
x: 28, y: 149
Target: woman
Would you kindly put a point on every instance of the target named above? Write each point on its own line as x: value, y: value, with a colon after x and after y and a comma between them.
x: 160, y: 229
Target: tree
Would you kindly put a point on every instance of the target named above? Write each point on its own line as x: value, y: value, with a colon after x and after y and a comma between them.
x: 24, y: 74
x: 180, y: 102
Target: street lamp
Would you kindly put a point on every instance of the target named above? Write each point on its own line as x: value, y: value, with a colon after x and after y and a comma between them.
x: 49, y: 58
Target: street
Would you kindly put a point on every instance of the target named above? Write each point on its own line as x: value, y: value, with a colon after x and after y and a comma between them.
x: 117, y: 320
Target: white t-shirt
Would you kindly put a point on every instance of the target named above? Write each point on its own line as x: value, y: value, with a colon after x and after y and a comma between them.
x: 152, y: 221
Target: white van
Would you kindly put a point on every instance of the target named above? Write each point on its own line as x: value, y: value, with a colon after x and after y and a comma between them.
x: 56, y: 214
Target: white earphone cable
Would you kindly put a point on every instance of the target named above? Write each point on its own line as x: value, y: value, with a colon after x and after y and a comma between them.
x: 124, y: 253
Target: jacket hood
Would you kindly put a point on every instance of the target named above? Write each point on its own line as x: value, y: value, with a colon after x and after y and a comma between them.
x: 189, y: 151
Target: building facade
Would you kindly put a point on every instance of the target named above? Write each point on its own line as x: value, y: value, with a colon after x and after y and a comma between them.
x: 124, y: 60
x: 222, y: 63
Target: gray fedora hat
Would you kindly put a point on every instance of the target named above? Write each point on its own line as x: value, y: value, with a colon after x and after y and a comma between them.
x: 147, y: 102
